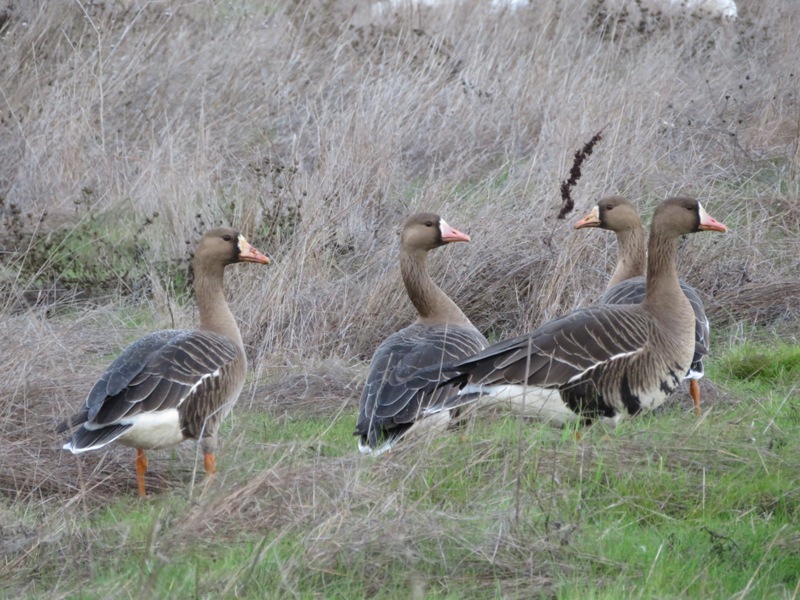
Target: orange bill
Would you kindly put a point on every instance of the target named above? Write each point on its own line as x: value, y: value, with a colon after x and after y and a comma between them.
x: 451, y: 235
x: 709, y: 223
x: 590, y: 220
x: 248, y: 253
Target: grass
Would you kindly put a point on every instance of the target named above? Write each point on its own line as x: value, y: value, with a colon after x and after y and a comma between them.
x: 662, y: 506
x: 315, y: 129
x: 757, y: 367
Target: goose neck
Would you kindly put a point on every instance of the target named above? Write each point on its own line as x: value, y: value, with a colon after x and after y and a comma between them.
x: 631, y: 260
x: 663, y: 288
x: 432, y: 304
x: 215, y: 314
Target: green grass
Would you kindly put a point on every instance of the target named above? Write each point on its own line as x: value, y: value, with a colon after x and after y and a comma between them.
x: 96, y: 251
x: 335, y: 434
x: 711, y: 514
x: 755, y: 367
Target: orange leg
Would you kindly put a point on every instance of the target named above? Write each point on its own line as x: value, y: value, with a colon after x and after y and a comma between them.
x: 694, y: 390
x: 210, y: 463
x: 141, y: 469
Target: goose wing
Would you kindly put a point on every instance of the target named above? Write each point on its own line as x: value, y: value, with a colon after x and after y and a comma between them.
x: 702, y: 330
x: 119, y: 373
x: 560, y: 352
x: 158, y: 372
x: 630, y: 291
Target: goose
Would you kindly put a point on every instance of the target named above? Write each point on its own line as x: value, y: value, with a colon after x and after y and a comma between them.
x: 173, y: 385
x: 606, y: 361
x: 627, y: 284
x: 389, y: 404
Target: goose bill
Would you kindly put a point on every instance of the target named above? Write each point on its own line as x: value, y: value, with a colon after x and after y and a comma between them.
x: 590, y: 220
x: 450, y: 234
x: 709, y: 223
x: 248, y: 253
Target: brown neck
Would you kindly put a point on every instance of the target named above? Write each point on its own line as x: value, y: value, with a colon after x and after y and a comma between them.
x: 214, y: 312
x: 630, y: 256
x: 431, y: 302
x: 664, y: 295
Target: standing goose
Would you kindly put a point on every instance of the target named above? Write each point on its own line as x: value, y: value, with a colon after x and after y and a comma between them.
x: 604, y: 361
x: 390, y: 404
x: 173, y: 385
x: 627, y: 284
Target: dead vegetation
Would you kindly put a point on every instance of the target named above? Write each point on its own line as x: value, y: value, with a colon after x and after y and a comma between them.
x: 315, y: 127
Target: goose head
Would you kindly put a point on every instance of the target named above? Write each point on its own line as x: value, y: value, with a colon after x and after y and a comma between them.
x: 614, y: 213
x: 678, y: 216
x: 225, y: 246
x: 426, y: 231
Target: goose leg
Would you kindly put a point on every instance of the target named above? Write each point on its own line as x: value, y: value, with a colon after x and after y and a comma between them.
x: 694, y: 390
x: 141, y: 469
x: 210, y: 463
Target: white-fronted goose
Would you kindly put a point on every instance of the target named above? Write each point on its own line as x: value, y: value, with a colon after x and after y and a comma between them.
x: 173, y: 385
x: 627, y: 284
x: 390, y: 404
x: 609, y: 360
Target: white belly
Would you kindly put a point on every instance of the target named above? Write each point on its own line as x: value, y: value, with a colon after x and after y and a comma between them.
x: 151, y: 431
x: 530, y: 401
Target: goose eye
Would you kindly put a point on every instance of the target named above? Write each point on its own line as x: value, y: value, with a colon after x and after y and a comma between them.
x: 227, y: 238
x: 428, y: 223
x: 610, y: 207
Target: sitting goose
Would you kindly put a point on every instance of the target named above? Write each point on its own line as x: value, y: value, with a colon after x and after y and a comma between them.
x: 603, y: 361
x: 389, y: 404
x: 627, y: 284
x: 175, y: 384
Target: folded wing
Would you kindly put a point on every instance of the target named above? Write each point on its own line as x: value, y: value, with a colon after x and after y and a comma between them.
x: 405, y: 364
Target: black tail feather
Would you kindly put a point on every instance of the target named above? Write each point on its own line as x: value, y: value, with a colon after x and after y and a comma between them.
x: 90, y: 439
x: 74, y: 421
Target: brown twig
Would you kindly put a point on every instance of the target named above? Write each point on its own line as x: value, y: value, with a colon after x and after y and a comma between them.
x: 581, y: 155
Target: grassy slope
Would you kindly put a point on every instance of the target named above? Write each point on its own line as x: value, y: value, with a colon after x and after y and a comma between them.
x: 663, y: 506
x: 315, y: 138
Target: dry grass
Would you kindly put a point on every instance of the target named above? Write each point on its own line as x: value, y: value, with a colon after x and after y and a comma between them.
x: 315, y: 127
x: 332, y: 126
